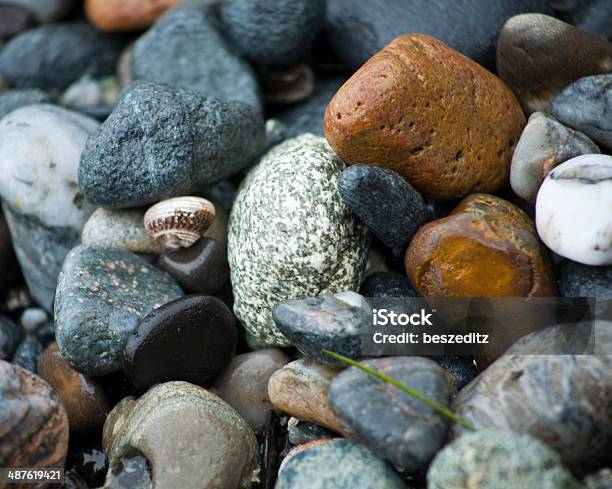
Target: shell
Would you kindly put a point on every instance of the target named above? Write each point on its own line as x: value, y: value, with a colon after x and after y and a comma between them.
x: 179, y: 222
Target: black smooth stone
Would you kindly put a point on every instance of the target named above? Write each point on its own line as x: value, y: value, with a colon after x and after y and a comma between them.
x: 192, y: 339
x: 202, y: 268
x: 461, y: 368
x: 578, y: 280
x: 27, y: 353
x: 387, y: 285
x: 10, y: 336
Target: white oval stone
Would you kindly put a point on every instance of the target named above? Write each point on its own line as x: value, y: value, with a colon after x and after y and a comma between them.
x: 574, y: 210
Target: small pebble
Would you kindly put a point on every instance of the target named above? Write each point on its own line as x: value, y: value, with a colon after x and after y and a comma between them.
x: 10, y: 337
x: 32, y: 318
x: 125, y: 15
x: 87, y: 92
x: 27, y: 353
x: 284, y: 86
x: 303, y: 432
x: 387, y: 285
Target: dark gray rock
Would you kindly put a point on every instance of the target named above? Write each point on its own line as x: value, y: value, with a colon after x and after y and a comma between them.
x: 184, y: 48
x: 10, y: 336
x: 398, y: 427
x: 51, y: 57
x: 461, y: 368
x: 338, y: 464
x: 304, y: 432
x: 101, y: 295
x: 44, y: 11
x: 586, y: 105
x: 578, y: 280
x: 589, y: 15
x: 387, y: 285
x: 161, y: 141
x: 359, y: 28
x: 13, y: 20
x: 272, y: 32
x: 384, y: 202
x: 27, y: 353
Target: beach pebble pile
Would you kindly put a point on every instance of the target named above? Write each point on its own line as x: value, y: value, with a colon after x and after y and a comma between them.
x: 200, y: 199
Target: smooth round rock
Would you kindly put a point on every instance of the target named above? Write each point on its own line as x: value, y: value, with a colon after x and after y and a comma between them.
x: 84, y: 398
x: 244, y: 384
x: 486, y: 247
x: 192, y: 338
x: 573, y: 210
x: 190, y: 437
x: 490, y: 459
x: 599, y: 480
x: 387, y: 285
x: 398, y: 427
x: 538, y: 56
x: 51, y: 57
x: 585, y: 105
x: 156, y: 136
x: 44, y: 11
x: 338, y: 464
x: 202, y: 268
x: 437, y: 118
x: 34, y: 422
x: 272, y: 32
x: 125, y: 15
x: 102, y: 293
x: 183, y: 48
x: 91, y: 95
x: 33, y: 318
x: 291, y: 235
x: 544, y: 144
x: 384, y: 202
x: 27, y: 353
x: 15, y: 99
x: 10, y: 337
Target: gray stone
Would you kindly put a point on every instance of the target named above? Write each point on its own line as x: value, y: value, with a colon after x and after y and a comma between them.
x: 183, y: 48
x: 33, y: 318
x: 300, y: 432
x: 15, y: 99
x: 10, y: 336
x: 599, y: 480
x: 578, y: 280
x: 544, y: 144
x: 89, y: 93
x: 490, y: 459
x: 101, y: 295
x: 44, y: 10
x: 27, y: 353
x: 586, y: 105
x: 338, y: 464
x: 291, y: 235
x: 590, y: 15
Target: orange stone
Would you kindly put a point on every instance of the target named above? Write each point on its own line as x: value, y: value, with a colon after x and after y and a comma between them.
x: 125, y: 15
x: 439, y: 119
x: 486, y: 247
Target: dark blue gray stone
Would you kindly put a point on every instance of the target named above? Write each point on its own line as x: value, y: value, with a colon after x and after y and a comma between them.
x: 272, y: 32
x: 586, y: 105
x: 184, y: 48
x: 10, y: 336
x: 385, y: 202
x: 51, y: 57
x: 304, y: 431
x: 578, y: 280
x: 589, y: 15
x: 338, y: 464
x: 387, y: 285
x: 161, y: 141
x: 358, y: 29
x: 102, y: 293
x: 14, y: 99
x: 27, y: 353
x: 403, y: 430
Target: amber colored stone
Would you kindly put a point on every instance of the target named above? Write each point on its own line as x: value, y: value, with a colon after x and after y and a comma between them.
x: 125, y: 15
x: 486, y: 247
x: 439, y: 119
x: 86, y: 402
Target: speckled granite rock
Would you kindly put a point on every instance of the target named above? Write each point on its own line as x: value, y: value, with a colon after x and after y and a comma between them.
x: 491, y: 459
x: 291, y: 235
x: 101, y: 295
x: 398, y: 427
x: 184, y: 49
x: 337, y: 464
x: 15, y: 99
x: 159, y: 134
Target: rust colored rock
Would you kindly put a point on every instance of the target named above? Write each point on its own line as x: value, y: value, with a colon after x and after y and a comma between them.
x: 439, y: 119
x: 33, y: 422
x: 84, y: 398
x: 486, y: 247
x: 125, y: 15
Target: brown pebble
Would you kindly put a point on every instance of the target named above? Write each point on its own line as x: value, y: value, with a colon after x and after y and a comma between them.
x: 125, y: 15
x: 287, y: 85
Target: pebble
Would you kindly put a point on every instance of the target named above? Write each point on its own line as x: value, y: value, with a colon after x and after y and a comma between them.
x: 122, y: 15
x: 460, y: 369
x: 39, y: 154
x: 578, y: 280
x: 272, y: 32
x: 387, y: 285
x: 581, y: 231
x: 301, y: 432
x: 184, y: 49
x: 244, y: 384
x: 384, y: 202
x: 44, y: 11
x: 124, y: 165
x: 88, y: 93
x: 14, y: 20
x: 191, y: 438
x: 285, y: 86
x: 192, y: 338
x: 291, y: 235
x: 359, y: 28
x: 490, y: 459
x: 487, y: 247
x: 34, y: 422
x: 27, y: 353
x: 599, y: 480
x: 338, y: 464
x: 83, y: 397
x: 8, y: 262
x: 585, y: 105
x: 32, y: 318
x: 327, y: 322
x: 200, y: 269
x: 398, y: 427
x: 53, y: 56
x: 538, y: 56
x: 15, y: 99
x: 544, y: 144
x: 119, y: 229
x: 10, y: 337
x: 437, y: 118
x: 102, y: 293
x: 115, y: 421
x: 589, y: 15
